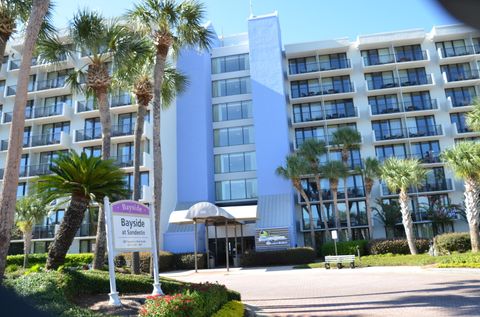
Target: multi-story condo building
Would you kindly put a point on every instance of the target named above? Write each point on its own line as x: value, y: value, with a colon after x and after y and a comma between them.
x: 251, y: 101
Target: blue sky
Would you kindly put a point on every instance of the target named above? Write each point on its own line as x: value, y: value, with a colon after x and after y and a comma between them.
x: 301, y: 20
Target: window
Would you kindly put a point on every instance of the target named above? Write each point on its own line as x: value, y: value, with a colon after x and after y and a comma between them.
x: 337, y: 84
x: 422, y: 126
x: 319, y: 133
x: 384, y: 104
x: 23, y: 165
x: 377, y: 56
x: 339, y: 109
x: 354, y: 159
x: 51, y: 133
x: 459, y: 120
x: 144, y: 180
x: 305, y: 88
x: 418, y: 101
x: 380, y: 80
x: 427, y: 152
x: 54, y: 105
x: 462, y: 96
x: 21, y: 190
x: 302, y: 65
x: 456, y: 72
x: 92, y: 129
x: 27, y: 132
x: 235, y: 162
x: 233, y: 136
x: 125, y: 154
x: 388, y: 129
x: 435, y: 180
x: 392, y: 150
x: 29, y: 109
x: 95, y: 151
x: 308, y: 112
x: 231, y: 63
x: 333, y: 61
x: 232, y: 111
x: 236, y: 189
x: 413, y: 76
x: 408, y: 53
x: 229, y: 87
x: 453, y: 48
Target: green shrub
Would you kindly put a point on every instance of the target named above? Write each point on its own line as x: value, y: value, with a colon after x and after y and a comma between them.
x: 281, y: 257
x: 186, y: 261
x: 71, y: 260
x: 453, y: 242
x: 12, y: 268
x: 344, y: 247
x: 398, y: 246
x: 231, y: 309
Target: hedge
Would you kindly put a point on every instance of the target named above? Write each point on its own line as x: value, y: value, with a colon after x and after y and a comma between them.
x: 398, y: 246
x: 72, y: 260
x: 344, y: 247
x: 168, y: 261
x: 231, y: 309
x: 453, y: 242
x: 281, y: 257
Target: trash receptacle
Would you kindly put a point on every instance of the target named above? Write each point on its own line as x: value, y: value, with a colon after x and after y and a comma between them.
x: 211, y: 262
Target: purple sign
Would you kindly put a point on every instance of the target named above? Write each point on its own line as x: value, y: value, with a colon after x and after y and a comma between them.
x: 130, y: 207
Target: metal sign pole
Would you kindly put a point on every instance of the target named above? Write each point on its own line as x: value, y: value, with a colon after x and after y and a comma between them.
x: 114, y: 299
x: 157, y: 289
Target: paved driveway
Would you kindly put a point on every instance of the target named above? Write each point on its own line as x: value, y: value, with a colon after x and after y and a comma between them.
x: 381, y: 291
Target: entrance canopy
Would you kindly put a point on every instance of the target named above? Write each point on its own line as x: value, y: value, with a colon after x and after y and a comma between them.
x: 205, y: 211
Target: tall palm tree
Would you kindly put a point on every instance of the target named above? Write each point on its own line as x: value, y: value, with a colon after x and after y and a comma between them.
x: 295, y: 167
x: 347, y: 139
x: 171, y: 26
x: 82, y: 180
x: 14, y: 12
x: 399, y: 175
x: 473, y: 117
x: 104, y: 41
x: 138, y: 78
x: 311, y: 150
x: 464, y: 159
x: 30, y: 210
x: 12, y: 166
x: 333, y: 171
x: 370, y: 172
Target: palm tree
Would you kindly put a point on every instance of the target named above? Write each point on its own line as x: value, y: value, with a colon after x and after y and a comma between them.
x: 371, y: 172
x: 389, y: 214
x: 347, y: 139
x: 473, y: 117
x: 464, y: 159
x: 400, y: 174
x: 295, y: 167
x: 29, y: 211
x: 82, y: 180
x: 171, y: 26
x: 138, y: 79
x: 12, y: 166
x: 14, y: 12
x: 104, y: 41
x: 311, y: 150
x: 333, y: 171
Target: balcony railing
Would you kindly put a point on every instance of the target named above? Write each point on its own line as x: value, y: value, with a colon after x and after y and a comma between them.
x: 48, y: 231
x: 378, y: 59
x: 50, y: 111
x: 125, y: 160
x: 122, y: 130
x: 88, y: 134
x: 8, y: 116
x: 51, y: 83
x: 327, y: 194
x: 41, y: 169
x: 425, y: 104
x: 406, y: 81
x: 463, y: 75
x: 442, y: 184
x: 414, y: 132
x: 425, y: 131
x: 456, y: 102
x: 456, y: 51
x: 321, y: 66
x: 390, y: 134
x: 12, y: 90
x: 121, y: 100
x: 328, y: 89
x: 423, y: 158
x: 412, y: 56
x: 15, y: 63
x: 391, y: 107
x: 46, y: 139
x: 88, y: 105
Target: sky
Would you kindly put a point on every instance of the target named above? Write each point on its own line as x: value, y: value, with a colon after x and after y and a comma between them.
x: 300, y: 20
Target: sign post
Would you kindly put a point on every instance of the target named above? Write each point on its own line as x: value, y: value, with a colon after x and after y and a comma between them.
x: 130, y: 228
x: 335, y: 237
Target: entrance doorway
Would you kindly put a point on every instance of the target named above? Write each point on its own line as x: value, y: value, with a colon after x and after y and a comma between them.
x: 218, y: 252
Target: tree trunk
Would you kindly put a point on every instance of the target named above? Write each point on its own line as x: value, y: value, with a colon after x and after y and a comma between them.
x: 4, y: 37
x: 347, y: 210
x: 368, y: 207
x: 100, y: 239
x: 27, y: 243
x: 66, y: 233
x: 322, y: 211
x: 142, y: 110
x: 472, y: 192
x: 407, y: 220
x: 334, y: 189
x: 310, y: 216
x: 158, y: 74
x: 12, y: 165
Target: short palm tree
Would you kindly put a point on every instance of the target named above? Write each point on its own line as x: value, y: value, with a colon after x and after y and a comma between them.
x: 370, y: 172
x: 104, y: 41
x: 30, y: 210
x: 82, y: 180
x: 347, y: 139
x: 311, y: 150
x: 473, y: 117
x: 399, y: 175
x: 464, y: 159
x: 296, y: 167
x: 171, y: 27
x: 8, y: 195
x: 333, y: 171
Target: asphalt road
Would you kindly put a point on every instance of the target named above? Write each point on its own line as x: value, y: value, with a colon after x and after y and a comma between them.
x: 380, y: 291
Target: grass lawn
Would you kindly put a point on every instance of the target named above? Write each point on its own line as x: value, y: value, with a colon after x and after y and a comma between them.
x: 467, y: 260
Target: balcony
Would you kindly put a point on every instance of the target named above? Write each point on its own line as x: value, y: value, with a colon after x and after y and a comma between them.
x: 38, y: 170
x: 121, y: 100
x: 48, y: 231
x: 375, y: 60
x: 413, y: 132
x: 439, y: 185
x: 431, y: 158
x: 392, y: 109
x: 62, y: 111
x: 122, y: 130
x: 51, y: 83
x: 412, y: 57
x: 46, y: 139
x: 331, y: 67
x: 12, y: 90
x: 460, y: 104
x: 146, y: 194
x: 4, y: 143
x: 402, y: 81
x: 456, y: 54
x: 457, y: 79
x: 8, y: 116
x: 126, y: 161
x: 88, y: 134
x: 330, y: 113
x: 353, y: 192
x: 86, y: 106
x: 462, y: 131
x: 15, y: 63
x: 420, y: 105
